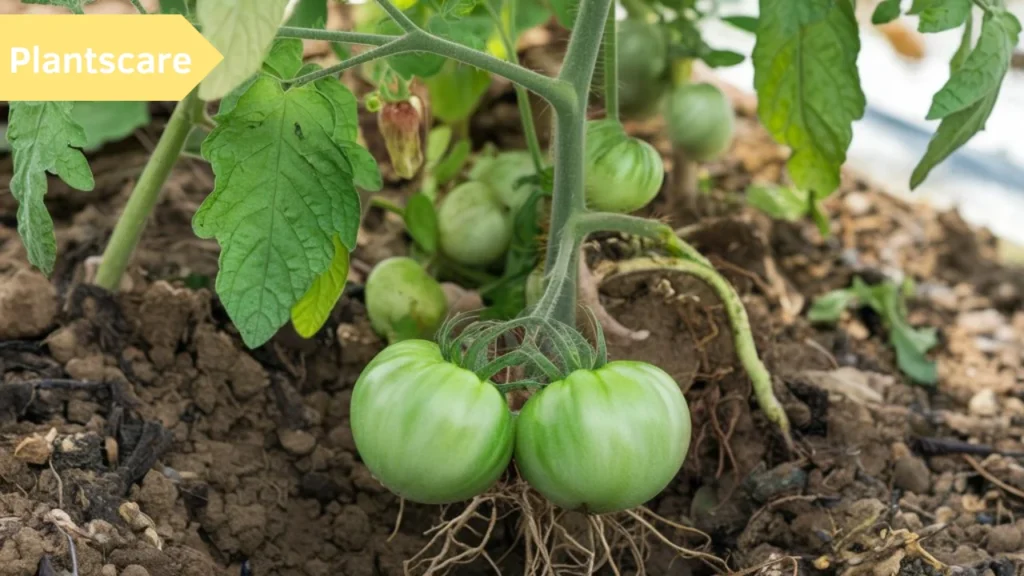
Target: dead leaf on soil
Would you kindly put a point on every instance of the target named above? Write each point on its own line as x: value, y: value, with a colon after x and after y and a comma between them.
x: 36, y: 449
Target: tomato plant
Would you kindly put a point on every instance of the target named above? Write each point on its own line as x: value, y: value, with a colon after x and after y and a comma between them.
x: 292, y: 177
x: 430, y: 431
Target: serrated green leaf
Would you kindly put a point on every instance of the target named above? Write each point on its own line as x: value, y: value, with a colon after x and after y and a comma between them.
x: 365, y: 172
x: 745, y: 23
x: 959, y: 127
x: 309, y: 14
x: 964, y: 49
x: 886, y: 11
x: 983, y: 71
x: 829, y: 307
x: 311, y: 312
x: 75, y: 6
x: 242, y: 31
x: 940, y: 15
x: 283, y: 191
x: 911, y: 361
x: 109, y: 121
x: 44, y: 137
x: 438, y: 140
x: 452, y: 164
x: 284, y: 60
x: 421, y: 222
x: 808, y: 87
x: 346, y: 108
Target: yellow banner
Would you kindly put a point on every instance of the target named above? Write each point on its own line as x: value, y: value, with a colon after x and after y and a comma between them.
x: 101, y: 57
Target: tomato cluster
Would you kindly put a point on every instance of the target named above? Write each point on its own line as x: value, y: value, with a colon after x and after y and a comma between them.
x: 598, y: 440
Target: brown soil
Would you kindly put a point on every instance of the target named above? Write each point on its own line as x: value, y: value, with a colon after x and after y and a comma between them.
x: 138, y: 426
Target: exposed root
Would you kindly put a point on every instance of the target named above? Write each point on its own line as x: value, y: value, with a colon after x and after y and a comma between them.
x: 589, y: 285
x: 554, y: 542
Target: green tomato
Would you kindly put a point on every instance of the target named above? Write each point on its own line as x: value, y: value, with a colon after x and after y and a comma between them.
x: 402, y: 298
x: 474, y: 227
x: 428, y: 430
x: 643, y: 67
x: 623, y: 173
x: 700, y: 120
x: 604, y: 440
x: 502, y: 173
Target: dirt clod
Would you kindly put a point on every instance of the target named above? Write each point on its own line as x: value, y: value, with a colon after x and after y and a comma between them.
x: 911, y: 474
x: 28, y: 305
x: 297, y: 442
x: 1005, y: 538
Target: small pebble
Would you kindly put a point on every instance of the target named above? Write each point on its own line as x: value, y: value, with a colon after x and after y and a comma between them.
x: 134, y: 570
x: 984, y: 403
x: 910, y: 473
x: 980, y: 321
x: 297, y: 442
x: 108, y: 570
x: 1004, y: 538
x: 984, y: 518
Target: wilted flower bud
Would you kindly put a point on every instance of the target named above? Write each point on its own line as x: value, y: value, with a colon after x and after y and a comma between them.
x: 400, y: 125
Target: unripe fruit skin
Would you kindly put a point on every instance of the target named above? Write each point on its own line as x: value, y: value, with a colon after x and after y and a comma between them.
x: 643, y: 63
x: 623, y: 173
x: 502, y: 174
x: 475, y: 229
x: 700, y: 121
x: 400, y: 287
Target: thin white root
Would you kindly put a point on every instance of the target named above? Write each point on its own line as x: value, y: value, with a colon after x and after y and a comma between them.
x: 554, y: 542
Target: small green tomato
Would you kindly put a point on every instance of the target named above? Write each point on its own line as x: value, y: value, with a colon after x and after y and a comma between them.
x: 503, y: 173
x: 643, y: 63
x: 428, y: 430
x: 474, y: 227
x: 604, y: 440
x: 399, y: 289
x: 700, y: 120
x: 623, y: 173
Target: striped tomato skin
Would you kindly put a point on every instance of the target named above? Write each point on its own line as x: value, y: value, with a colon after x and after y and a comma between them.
x: 428, y: 430
x: 604, y: 440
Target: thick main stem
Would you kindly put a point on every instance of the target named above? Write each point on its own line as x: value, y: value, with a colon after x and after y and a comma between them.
x: 570, y: 145
x: 611, y: 66
x: 146, y: 193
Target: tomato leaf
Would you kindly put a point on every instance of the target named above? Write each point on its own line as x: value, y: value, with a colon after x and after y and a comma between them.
x: 885, y: 12
x: 284, y: 190
x: 438, y: 140
x: 109, y: 121
x: 421, y: 222
x: 808, y: 87
x: 452, y: 164
x: 745, y: 23
x: 184, y: 7
x: 311, y: 312
x: 965, y: 108
x: 722, y: 58
x: 940, y: 15
x: 75, y: 6
x: 779, y: 202
x: 44, y: 137
x: 242, y: 31
x: 309, y: 14
x: 506, y: 297
x: 964, y: 49
x: 983, y: 71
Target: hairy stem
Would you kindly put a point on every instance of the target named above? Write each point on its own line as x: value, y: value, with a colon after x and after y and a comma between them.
x: 556, y: 92
x: 611, y: 66
x: 139, y: 7
x: 570, y: 144
x: 146, y: 193
x: 396, y: 46
x: 522, y: 97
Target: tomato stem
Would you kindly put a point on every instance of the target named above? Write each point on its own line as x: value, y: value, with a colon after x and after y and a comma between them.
x: 146, y: 193
x: 611, y: 66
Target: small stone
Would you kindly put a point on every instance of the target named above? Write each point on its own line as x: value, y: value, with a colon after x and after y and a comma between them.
x: 28, y: 305
x: 63, y: 344
x: 297, y: 442
x: 984, y: 403
x: 108, y: 570
x: 89, y: 368
x: 857, y: 203
x: 134, y: 570
x: 341, y: 437
x: 980, y: 321
x: 248, y: 378
x: 910, y: 473
x: 1004, y: 538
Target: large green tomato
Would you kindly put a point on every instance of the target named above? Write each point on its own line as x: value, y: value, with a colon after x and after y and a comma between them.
x: 623, y: 173
x: 474, y: 227
x: 400, y: 296
x: 429, y: 431
x: 700, y: 120
x: 502, y: 174
x: 604, y: 440
x: 643, y: 68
